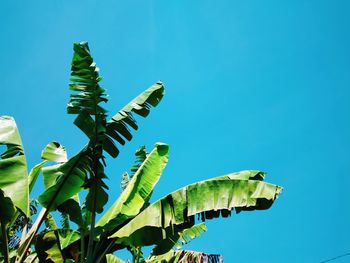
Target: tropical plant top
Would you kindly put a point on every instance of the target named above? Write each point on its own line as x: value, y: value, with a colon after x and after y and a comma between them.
x: 132, y: 222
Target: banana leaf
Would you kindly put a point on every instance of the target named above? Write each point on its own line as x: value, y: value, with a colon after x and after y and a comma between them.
x: 13, y: 170
x: 47, y: 247
x: 207, y: 199
x: 69, y: 180
x: 138, y: 191
x: 117, y: 127
x: 85, y: 102
x: 55, y: 152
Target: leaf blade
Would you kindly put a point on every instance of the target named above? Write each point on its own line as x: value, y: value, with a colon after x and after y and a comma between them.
x: 209, y: 199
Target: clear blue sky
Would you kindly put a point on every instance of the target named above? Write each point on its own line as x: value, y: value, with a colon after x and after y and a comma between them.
x: 249, y: 85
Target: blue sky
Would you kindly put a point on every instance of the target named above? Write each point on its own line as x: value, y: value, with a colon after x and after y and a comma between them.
x: 249, y: 85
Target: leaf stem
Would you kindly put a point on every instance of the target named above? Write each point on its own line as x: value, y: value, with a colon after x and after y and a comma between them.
x: 138, y: 254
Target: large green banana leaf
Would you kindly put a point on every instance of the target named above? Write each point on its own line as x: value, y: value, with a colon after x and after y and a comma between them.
x: 13, y: 169
x: 209, y: 199
x: 138, y: 190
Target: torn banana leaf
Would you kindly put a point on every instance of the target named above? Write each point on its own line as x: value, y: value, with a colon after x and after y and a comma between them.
x: 208, y: 199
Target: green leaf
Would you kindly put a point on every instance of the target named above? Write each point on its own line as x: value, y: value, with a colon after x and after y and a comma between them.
x: 209, y: 199
x: 176, y: 239
x: 51, y: 175
x: 7, y: 209
x: 117, y: 127
x: 57, y: 153
x: 71, y: 207
x: 9, y: 134
x: 54, y: 152
x: 100, y: 198
x: 34, y: 173
x: 125, y: 181
x: 85, y: 82
x: 113, y: 259
x: 32, y: 258
x: 67, y: 237
x: 243, y: 175
x: 138, y: 191
x: 13, y: 168
x: 48, y: 249
x: 50, y: 222
x: 64, y: 220
x: 187, y: 235
x: 141, y: 156
x: 68, y: 180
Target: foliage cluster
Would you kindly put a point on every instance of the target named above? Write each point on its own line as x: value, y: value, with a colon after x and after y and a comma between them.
x: 132, y: 222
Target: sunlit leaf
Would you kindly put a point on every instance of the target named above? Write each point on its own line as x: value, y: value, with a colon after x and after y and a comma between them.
x: 133, y: 198
x: 208, y: 199
x: 13, y: 168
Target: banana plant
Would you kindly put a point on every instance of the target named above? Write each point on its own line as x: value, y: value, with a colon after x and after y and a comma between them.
x: 132, y: 222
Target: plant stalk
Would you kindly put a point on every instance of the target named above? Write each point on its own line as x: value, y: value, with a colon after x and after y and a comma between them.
x: 94, y: 192
x: 82, y: 246
x: 92, y: 225
x: 5, y: 247
x: 103, y: 254
x: 138, y: 254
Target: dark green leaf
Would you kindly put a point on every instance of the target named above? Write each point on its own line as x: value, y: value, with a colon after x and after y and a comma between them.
x: 48, y: 249
x: 117, y: 127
